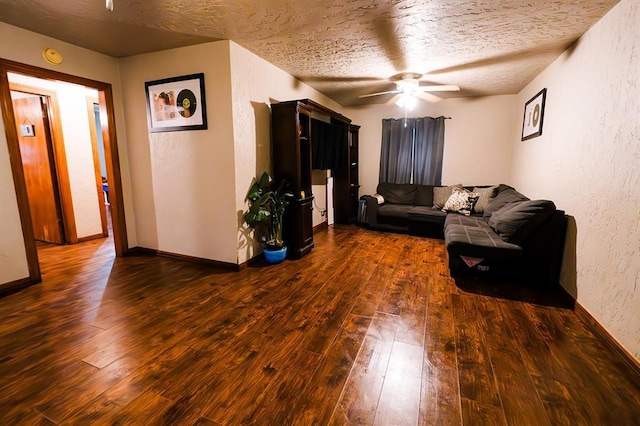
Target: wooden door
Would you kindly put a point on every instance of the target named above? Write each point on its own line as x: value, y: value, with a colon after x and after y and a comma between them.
x: 39, y: 168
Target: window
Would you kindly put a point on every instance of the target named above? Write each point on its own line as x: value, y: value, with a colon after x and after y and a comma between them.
x: 411, y: 150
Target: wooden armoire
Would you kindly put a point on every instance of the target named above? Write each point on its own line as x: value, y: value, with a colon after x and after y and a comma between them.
x: 292, y: 147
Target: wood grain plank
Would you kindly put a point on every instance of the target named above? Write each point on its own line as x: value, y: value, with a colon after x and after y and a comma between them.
x: 516, y: 388
x: 440, y: 395
x: 477, y: 413
x: 477, y: 380
x: 318, y: 401
x: 400, y: 397
x: 194, y: 344
x: 359, y: 400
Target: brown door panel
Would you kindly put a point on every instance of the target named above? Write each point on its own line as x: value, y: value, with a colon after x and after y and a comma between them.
x: 37, y: 159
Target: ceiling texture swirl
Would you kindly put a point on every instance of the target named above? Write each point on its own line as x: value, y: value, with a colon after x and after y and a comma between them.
x: 343, y: 48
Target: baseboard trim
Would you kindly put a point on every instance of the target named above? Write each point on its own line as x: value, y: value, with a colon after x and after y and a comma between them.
x: 321, y: 226
x: 609, y: 341
x: 193, y: 259
x: 13, y: 286
x: 90, y: 237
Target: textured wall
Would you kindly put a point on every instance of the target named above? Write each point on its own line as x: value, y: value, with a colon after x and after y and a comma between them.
x: 477, y: 138
x: 183, y: 182
x: 13, y: 258
x: 587, y: 161
x: 255, y: 85
x: 77, y: 142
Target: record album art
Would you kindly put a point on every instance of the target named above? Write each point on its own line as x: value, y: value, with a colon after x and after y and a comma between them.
x: 176, y: 103
x: 186, y: 102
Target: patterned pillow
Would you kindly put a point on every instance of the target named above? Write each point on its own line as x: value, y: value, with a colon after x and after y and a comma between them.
x: 442, y: 193
x: 461, y: 201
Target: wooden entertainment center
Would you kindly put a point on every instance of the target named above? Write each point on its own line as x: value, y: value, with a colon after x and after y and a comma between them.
x: 292, y: 127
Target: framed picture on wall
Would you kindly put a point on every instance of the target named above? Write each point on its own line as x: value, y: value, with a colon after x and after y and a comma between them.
x: 177, y: 103
x: 533, y: 116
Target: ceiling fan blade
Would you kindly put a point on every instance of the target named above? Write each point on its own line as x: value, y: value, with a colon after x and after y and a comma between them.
x: 379, y: 93
x: 440, y: 88
x: 393, y: 99
x: 428, y: 97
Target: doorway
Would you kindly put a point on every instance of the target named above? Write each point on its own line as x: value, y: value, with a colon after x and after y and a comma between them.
x: 104, y: 100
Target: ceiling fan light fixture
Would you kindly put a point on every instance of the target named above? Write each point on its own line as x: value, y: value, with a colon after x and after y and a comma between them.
x: 109, y: 5
x: 407, y: 101
x: 408, y: 84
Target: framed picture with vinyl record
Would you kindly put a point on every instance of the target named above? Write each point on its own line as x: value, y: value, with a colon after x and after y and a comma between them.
x: 533, y: 116
x: 176, y: 103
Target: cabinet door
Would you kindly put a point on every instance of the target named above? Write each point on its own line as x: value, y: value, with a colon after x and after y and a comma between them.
x: 298, y: 227
x: 306, y: 222
x: 353, y: 204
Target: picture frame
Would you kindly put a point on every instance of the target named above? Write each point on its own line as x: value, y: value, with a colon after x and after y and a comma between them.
x: 534, y: 116
x: 176, y: 104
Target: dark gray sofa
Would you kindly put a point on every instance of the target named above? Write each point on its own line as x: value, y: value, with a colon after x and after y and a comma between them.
x: 406, y: 208
x: 513, y: 236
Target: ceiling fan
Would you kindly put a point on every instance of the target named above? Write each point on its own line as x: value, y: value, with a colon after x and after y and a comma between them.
x: 408, y: 89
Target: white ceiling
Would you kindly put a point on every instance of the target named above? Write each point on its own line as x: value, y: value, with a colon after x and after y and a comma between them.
x: 343, y: 48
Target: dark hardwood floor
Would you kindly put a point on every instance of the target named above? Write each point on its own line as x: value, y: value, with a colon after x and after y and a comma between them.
x: 367, y: 329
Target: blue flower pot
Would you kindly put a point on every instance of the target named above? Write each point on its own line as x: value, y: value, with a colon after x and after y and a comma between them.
x: 275, y: 256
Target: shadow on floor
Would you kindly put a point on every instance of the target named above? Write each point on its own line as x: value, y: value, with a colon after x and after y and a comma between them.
x: 517, y: 290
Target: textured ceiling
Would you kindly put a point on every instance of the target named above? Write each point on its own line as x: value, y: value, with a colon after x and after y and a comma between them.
x: 343, y: 48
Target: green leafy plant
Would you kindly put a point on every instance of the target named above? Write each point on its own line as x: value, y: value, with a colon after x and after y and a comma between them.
x: 266, y: 208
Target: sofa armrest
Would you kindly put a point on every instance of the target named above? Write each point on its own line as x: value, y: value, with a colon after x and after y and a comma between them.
x: 372, y: 211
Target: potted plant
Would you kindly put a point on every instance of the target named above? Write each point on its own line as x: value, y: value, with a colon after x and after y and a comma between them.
x: 265, y: 214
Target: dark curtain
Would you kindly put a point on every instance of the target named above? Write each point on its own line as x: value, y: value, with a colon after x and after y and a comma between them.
x: 396, y: 154
x: 328, y: 143
x: 429, y: 147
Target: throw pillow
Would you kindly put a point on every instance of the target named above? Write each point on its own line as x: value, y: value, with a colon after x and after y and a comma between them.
x: 460, y: 201
x: 506, y: 195
x: 486, y: 196
x: 442, y: 193
x: 516, y: 221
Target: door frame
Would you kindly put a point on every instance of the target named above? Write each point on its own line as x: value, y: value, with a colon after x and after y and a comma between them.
x: 105, y: 95
x: 93, y: 129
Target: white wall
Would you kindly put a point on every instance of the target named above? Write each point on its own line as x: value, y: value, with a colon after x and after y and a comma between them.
x: 183, y: 182
x: 77, y: 144
x: 255, y: 85
x: 27, y: 49
x: 587, y: 161
x: 477, y: 145
x: 13, y: 257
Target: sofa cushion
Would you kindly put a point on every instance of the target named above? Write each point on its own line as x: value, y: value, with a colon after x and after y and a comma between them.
x: 395, y: 210
x: 504, y: 197
x: 424, y: 195
x: 486, y: 195
x: 461, y: 201
x: 427, y: 214
x: 459, y: 219
x: 480, y: 242
x: 516, y: 221
x: 441, y: 194
x: 398, y: 193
